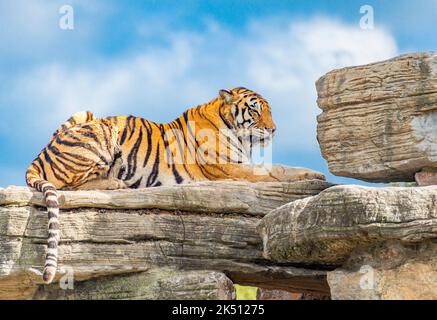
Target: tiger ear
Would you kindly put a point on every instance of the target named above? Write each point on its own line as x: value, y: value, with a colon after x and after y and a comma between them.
x: 226, y: 95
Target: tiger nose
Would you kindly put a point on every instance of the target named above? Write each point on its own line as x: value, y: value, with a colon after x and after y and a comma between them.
x: 271, y: 129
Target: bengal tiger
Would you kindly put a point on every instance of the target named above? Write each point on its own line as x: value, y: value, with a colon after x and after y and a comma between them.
x: 212, y: 141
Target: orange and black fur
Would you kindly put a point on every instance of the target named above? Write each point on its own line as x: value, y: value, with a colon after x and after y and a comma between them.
x: 131, y: 152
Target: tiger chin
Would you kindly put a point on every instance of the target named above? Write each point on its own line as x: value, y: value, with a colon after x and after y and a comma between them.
x: 212, y: 141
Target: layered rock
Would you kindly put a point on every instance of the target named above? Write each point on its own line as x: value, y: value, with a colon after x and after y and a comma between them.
x: 383, y: 235
x: 328, y: 227
x: 255, y: 199
x: 157, y: 284
x: 379, y: 121
x: 113, y: 233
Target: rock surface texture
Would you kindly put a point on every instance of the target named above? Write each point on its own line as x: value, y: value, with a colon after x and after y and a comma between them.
x: 158, y: 284
x: 383, y: 239
x: 388, y: 271
x: 328, y: 227
x: 108, y: 234
x: 379, y: 121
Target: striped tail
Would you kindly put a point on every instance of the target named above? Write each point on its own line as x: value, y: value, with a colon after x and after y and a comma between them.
x: 51, y: 199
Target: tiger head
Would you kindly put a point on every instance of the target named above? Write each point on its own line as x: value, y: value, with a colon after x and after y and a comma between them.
x: 249, y: 115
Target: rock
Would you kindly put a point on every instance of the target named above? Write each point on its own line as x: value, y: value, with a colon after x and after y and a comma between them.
x: 268, y: 294
x: 112, y: 240
x: 427, y: 177
x: 229, y: 196
x: 389, y: 271
x: 379, y: 121
x: 327, y: 228
x: 158, y: 284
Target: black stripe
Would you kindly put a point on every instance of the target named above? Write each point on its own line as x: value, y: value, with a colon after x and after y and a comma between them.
x: 207, y: 174
x: 50, y: 192
x: 61, y: 157
x: 184, y: 152
x: 176, y: 175
x: 181, y: 147
x: 52, y: 244
x: 167, y: 151
x: 105, y: 135
x: 86, y: 146
x: 48, y: 264
x: 77, y: 157
x: 124, y: 134
x: 136, y: 184
x: 181, y: 127
x: 114, y: 161
x: 121, y: 172
x: 52, y: 204
x: 47, y: 186
x: 52, y: 215
x: 40, y: 162
x: 228, y: 125
x: 132, y: 130
x: 54, y: 225
x: 152, y: 176
x: 90, y: 134
x: 55, y: 168
x: 189, y: 131
x: 52, y: 235
x: 132, y: 157
x: 149, y: 142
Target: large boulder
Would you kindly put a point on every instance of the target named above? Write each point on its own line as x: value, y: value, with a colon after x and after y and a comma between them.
x: 382, y: 241
x: 379, y: 121
x: 328, y: 227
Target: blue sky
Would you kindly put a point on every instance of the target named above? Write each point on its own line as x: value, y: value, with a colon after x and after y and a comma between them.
x: 157, y: 58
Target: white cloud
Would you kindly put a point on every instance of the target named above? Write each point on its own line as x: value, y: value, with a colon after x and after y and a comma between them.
x: 289, y: 58
x: 279, y: 59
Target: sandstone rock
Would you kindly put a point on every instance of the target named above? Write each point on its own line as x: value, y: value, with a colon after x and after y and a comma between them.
x: 426, y: 177
x: 389, y: 271
x: 158, y: 284
x: 379, y: 121
x: 268, y: 294
x: 229, y: 196
x: 328, y: 227
x: 113, y: 240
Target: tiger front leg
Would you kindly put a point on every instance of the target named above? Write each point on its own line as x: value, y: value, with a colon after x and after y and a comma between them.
x: 288, y: 173
x: 268, y: 173
x: 103, y: 184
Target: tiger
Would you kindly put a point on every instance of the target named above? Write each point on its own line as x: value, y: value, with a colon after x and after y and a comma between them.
x: 209, y: 142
